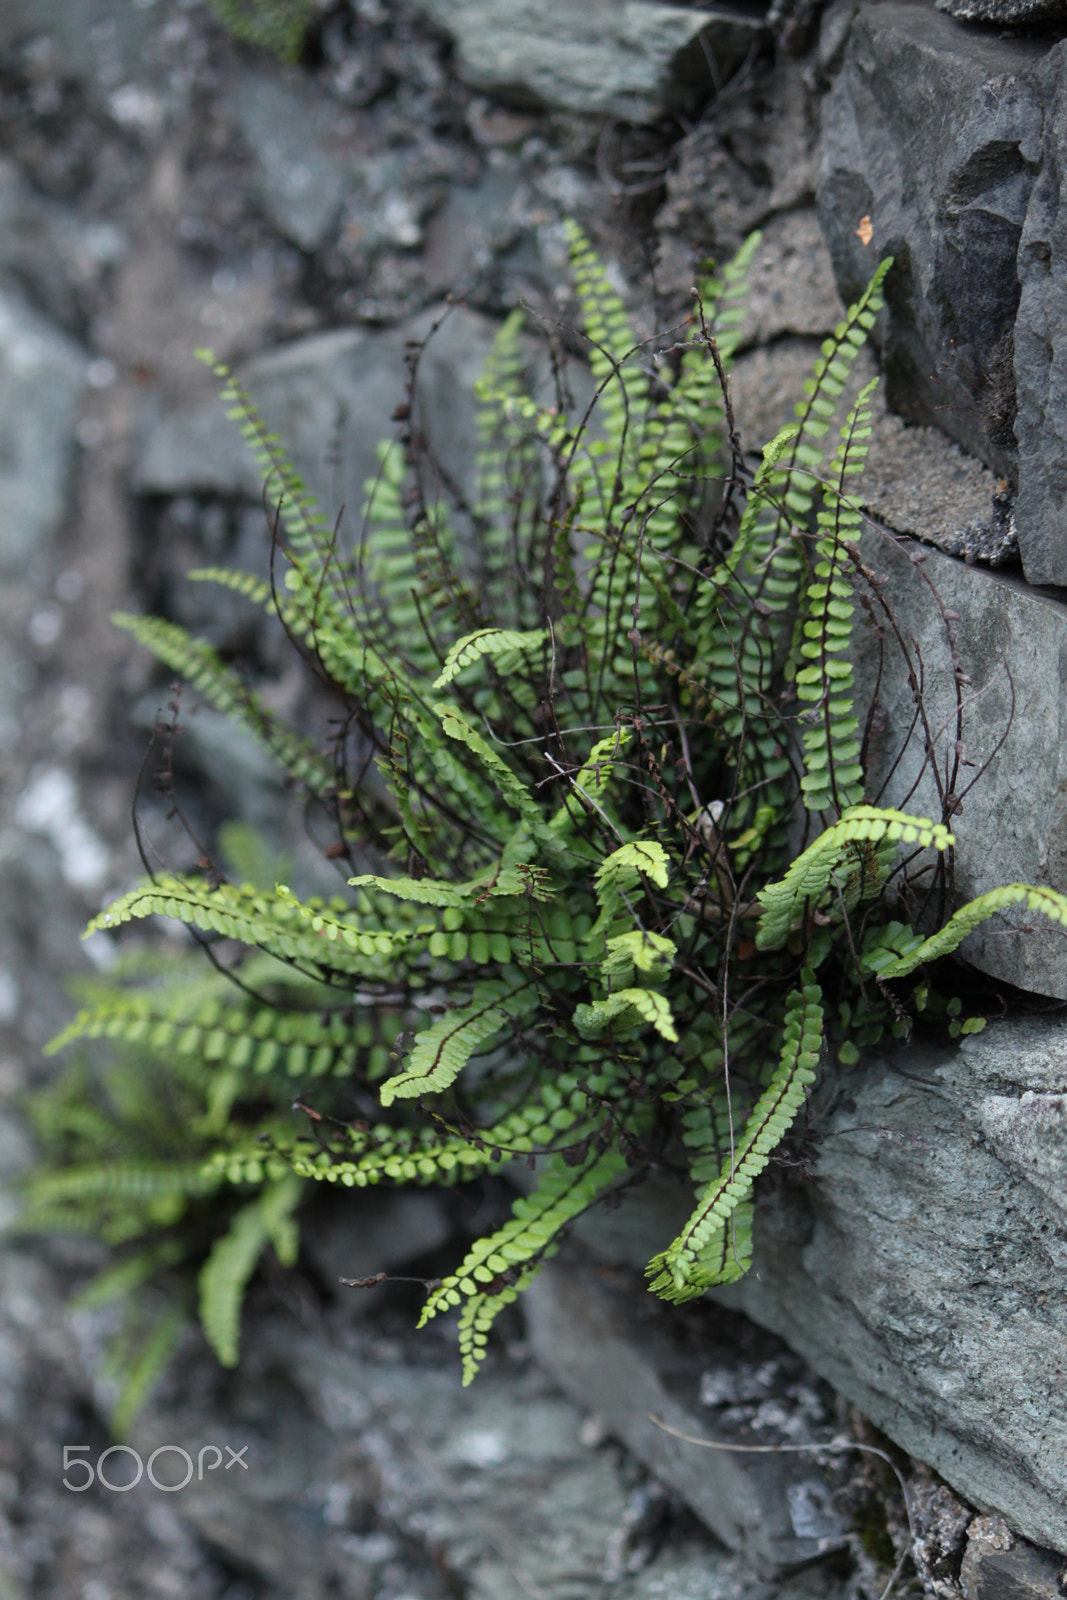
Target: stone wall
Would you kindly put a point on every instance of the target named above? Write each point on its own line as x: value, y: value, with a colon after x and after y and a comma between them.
x: 920, y: 1269
x: 948, y: 137
x: 160, y: 189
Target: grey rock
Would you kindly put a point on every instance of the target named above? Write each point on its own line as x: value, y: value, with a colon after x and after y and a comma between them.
x: 791, y: 283
x: 374, y: 1231
x: 235, y: 765
x: 632, y: 1235
x: 1006, y: 13
x: 494, y: 1478
x: 916, y: 481
x: 40, y: 937
x: 939, y: 1523
x: 16, y: 1156
x: 474, y: 224
x: 764, y: 385
x: 767, y: 380
x: 330, y: 398
x: 685, y: 1573
x: 996, y: 1568
x: 1004, y: 764
x: 624, y: 58
x: 621, y: 1364
x: 50, y: 252
x: 300, y: 182
x: 95, y: 41
x: 261, y: 1516
x: 41, y: 377
x: 735, y: 172
x: 916, y: 1271
x: 49, y: 1536
x: 1040, y: 350
x: 932, y: 133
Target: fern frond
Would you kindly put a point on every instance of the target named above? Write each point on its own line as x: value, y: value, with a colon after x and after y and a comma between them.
x: 125, y: 1181
x: 785, y: 903
x: 640, y: 950
x: 509, y: 786
x: 626, y: 866
x: 300, y: 517
x: 894, y: 951
x: 122, y: 1277
x: 487, y: 642
x: 626, y: 1011
x: 497, y: 1268
x: 227, y: 1272
x: 275, y: 25
x: 501, y: 882
x: 823, y: 391
x: 246, y: 584
x: 229, y: 1035
x: 311, y: 935
x: 441, y: 1051
x: 222, y: 688
x: 143, y: 1370
x: 832, y: 771
x: 704, y: 1252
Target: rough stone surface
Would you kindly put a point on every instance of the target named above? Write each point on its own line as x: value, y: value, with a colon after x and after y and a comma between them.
x: 940, y: 1522
x: 932, y: 133
x: 916, y: 481
x: 1004, y: 765
x: 41, y: 377
x: 995, y: 1568
x: 628, y: 1370
x: 791, y: 287
x: 1040, y: 350
x: 299, y: 181
x: 1007, y: 13
x: 918, y: 1271
x: 53, y: 257
x: 330, y: 397
x: 627, y: 58
x: 736, y: 171
x: 389, y: 1228
x: 507, y: 1482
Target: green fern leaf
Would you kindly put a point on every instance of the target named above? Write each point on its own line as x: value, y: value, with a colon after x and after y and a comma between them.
x: 627, y: 1011
x: 625, y: 867
x: 442, y: 1050
x: 784, y: 903
x: 704, y: 1254
x: 497, y: 1268
x: 487, y: 642
x: 226, y: 1273
x: 880, y: 956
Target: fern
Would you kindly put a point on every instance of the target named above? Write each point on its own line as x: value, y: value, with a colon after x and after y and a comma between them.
x: 845, y: 852
x: 832, y: 772
x: 496, y: 1269
x: 442, y: 1051
x: 487, y: 642
x: 895, y: 951
x: 708, y: 1251
x: 227, y: 1270
x: 276, y: 25
x: 567, y: 779
x: 224, y: 690
x: 143, y: 1366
